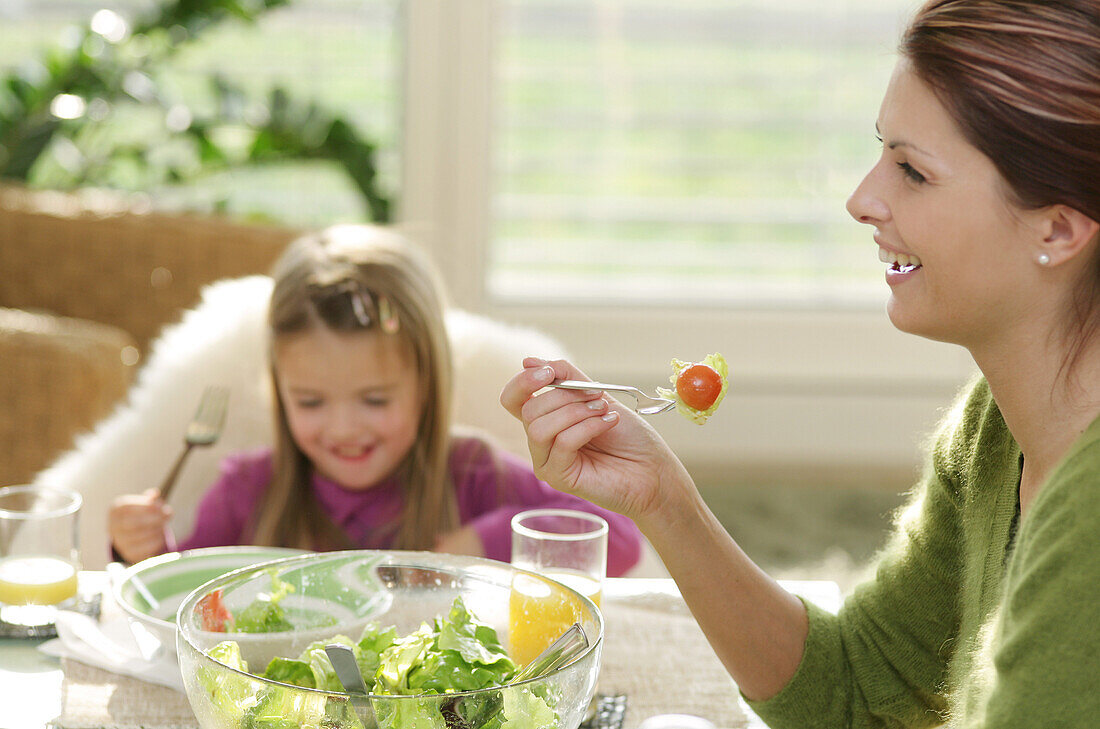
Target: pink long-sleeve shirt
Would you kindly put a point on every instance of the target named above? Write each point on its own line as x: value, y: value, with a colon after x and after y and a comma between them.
x: 491, y: 486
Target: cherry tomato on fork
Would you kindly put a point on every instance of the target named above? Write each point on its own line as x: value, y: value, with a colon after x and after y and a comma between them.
x: 698, y: 385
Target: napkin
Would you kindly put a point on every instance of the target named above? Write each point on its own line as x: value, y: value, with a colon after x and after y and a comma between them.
x: 110, y: 645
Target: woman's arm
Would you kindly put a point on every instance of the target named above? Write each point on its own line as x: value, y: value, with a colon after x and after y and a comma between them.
x: 592, y: 447
x: 881, y: 662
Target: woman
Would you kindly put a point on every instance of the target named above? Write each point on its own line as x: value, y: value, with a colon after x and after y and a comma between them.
x: 984, y: 609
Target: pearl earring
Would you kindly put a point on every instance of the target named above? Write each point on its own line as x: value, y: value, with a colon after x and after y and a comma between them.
x: 1043, y: 259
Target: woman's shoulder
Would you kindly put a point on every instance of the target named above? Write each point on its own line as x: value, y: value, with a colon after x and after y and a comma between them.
x: 971, y: 410
x: 971, y: 437
x: 971, y: 416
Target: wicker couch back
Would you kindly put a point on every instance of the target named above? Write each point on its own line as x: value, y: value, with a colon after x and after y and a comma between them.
x: 109, y: 259
x: 87, y: 281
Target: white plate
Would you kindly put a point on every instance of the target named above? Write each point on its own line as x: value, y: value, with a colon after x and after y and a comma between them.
x: 152, y: 590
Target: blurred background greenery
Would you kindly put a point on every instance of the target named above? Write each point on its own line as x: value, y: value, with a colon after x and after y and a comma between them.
x: 185, y: 100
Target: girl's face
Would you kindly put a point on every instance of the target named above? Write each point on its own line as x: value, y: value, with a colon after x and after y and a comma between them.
x: 352, y: 402
x: 960, y: 257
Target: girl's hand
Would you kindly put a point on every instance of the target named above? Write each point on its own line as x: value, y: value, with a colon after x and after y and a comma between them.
x: 136, y: 523
x: 590, y: 445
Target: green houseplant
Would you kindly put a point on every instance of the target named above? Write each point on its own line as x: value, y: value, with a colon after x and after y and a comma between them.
x: 66, y: 105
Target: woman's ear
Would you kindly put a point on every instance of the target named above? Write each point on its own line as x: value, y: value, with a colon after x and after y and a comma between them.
x: 1066, y: 232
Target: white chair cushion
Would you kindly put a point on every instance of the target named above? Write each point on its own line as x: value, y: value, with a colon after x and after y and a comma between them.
x: 222, y: 341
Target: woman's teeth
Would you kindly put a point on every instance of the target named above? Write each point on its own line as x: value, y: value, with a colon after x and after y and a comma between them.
x: 899, y: 261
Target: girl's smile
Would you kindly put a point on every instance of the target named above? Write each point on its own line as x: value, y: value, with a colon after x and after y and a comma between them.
x: 353, y: 454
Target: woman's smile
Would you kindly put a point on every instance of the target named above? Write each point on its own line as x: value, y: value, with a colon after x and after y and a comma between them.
x: 902, y: 266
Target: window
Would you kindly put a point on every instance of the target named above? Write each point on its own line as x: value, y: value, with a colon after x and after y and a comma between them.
x: 647, y: 180
x: 652, y: 151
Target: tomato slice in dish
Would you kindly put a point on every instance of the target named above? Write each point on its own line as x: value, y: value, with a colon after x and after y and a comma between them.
x: 215, y: 615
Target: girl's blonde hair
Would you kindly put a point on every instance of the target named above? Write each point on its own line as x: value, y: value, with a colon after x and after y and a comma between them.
x: 361, y: 278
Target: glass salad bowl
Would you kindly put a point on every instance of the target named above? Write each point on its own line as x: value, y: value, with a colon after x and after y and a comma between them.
x: 429, y: 632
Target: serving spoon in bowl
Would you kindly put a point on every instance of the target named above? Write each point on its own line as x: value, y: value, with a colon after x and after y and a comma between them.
x: 564, y: 649
x: 643, y: 403
x: 347, y: 669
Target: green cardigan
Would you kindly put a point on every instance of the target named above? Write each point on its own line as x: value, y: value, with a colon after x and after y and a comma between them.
x: 965, y: 622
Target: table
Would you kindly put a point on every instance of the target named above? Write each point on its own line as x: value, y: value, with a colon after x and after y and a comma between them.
x: 31, y: 683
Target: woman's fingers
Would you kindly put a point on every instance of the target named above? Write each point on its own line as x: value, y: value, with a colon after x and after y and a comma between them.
x: 536, y: 374
x: 520, y: 388
x: 561, y: 458
x: 556, y: 398
x: 561, y: 431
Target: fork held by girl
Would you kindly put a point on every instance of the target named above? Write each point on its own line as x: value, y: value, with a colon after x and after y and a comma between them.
x: 984, y: 611
x: 365, y: 455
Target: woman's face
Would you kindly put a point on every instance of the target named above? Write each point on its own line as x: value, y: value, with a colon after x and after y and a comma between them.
x: 352, y: 402
x: 959, y: 257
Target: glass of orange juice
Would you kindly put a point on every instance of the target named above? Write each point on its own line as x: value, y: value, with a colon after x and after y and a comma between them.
x: 39, y: 553
x: 561, y: 545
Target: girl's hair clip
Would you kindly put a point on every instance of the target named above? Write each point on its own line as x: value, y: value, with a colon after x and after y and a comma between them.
x: 387, y: 317
x: 359, y: 306
x: 326, y: 297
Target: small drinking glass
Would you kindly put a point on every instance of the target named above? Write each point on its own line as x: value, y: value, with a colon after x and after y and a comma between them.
x: 563, y: 545
x: 39, y: 554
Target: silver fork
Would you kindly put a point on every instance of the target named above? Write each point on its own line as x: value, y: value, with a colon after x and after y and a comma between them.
x: 203, y: 430
x: 643, y: 403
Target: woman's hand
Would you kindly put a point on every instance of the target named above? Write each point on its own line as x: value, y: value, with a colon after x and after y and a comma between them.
x: 136, y: 523
x: 587, y: 444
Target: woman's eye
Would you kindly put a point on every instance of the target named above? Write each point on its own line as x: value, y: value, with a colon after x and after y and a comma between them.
x: 309, y: 404
x: 376, y: 402
x: 911, y: 173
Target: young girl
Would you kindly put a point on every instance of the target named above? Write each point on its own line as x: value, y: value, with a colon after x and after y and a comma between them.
x: 983, y: 612
x: 364, y: 455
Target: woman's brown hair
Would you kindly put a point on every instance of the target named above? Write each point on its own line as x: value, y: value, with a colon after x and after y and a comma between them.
x: 1021, y: 78
x: 359, y: 278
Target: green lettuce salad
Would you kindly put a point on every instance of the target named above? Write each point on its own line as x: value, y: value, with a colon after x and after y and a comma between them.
x: 456, y: 653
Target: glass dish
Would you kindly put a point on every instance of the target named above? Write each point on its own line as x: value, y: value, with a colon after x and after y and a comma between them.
x: 340, y: 593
